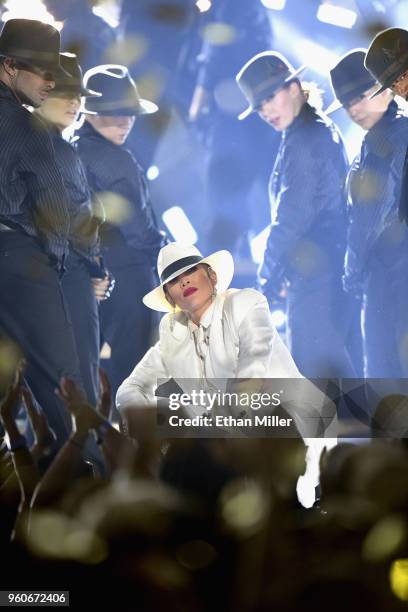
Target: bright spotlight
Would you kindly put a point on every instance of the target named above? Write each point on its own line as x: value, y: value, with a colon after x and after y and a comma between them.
x: 21, y: 9
x: 152, y: 173
x: 336, y: 15
x: 258, y: 245
x: 179, y: 225
x: 318, y: 58
x: 278, y: 318
x: 276, y: 5
x: 109, y: 11
x: 203, y: 5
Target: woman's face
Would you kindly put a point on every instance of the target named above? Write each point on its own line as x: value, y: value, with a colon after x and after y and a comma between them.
x: 280, y: 110
x: 115, y: 128
x: 61, y: 109
x: 366, y: 112
x: 192, y: 291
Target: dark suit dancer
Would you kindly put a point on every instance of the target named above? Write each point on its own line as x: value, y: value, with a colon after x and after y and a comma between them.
x: 130, y: 247
x: 34, y: 218
x: 387, y: 61
x: 306, y: 242
x: 59, y: 112
x: 377, y: 243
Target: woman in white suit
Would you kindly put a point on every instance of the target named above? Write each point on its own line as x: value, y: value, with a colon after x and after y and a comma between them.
x: 212, y: 334
x: 209, y: 333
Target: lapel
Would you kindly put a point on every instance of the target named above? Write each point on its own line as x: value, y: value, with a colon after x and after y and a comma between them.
x: 178, y: 349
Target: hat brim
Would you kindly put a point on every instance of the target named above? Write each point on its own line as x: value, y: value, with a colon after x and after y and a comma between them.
x: 221, y: 262
x: 144, y: 107
x: 55, y: 69
x: 81, y: 91
x: 148, y: 107
x: 381, y: 89
x: 88, y: 93
x: 251, y: 109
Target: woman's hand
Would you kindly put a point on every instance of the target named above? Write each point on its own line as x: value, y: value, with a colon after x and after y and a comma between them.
x: 103, y: 287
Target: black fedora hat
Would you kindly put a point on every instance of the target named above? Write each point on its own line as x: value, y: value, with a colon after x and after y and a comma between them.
x: 262, y: 76
x: 32, y: 42
x: 349, y: 79
x: 119, y: 92
x: 387, y: 57
x: 74, y: 83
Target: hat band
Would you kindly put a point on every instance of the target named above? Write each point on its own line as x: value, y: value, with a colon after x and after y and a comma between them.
x: 266, y: 89
x: 100, y: 105
x: 393, y: 69
x: 347, y: 91
x: 276, y: 80
x: 178, y: 265
x: 39, y: 56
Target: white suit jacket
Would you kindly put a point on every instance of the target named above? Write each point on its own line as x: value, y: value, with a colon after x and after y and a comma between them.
x: 242, y: 343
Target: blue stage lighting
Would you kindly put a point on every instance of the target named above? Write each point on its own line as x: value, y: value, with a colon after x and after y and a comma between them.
x: 152, y: 173
x: 318, y: 58
x: 336, y: 15
x: 203, y: 5
x: 278, y: 318
x: 276, y: 5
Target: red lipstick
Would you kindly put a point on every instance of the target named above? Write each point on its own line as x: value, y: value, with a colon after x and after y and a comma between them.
x: 189, y: 291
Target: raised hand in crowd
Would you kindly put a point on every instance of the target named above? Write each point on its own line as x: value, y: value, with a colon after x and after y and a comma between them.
x: 44, y: 436
x: 68, y: 462
x: 118, y: 450
x: 85, y: 420
x: 104, y: 406
x: 22, y: 481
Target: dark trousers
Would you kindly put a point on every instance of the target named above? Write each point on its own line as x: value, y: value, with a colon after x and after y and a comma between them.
x: 127, y: 324
x: 34, y: 314
x: 83, y: 308
x: 385, y: 317
x: 319, y: 316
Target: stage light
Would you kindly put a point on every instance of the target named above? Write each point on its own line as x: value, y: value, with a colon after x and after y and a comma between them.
x: 21, y: 9
x: 278, y: 318
x: 258, y: 245
x: 336, y: 15
x: 152, y: 173
x: 318, y: 58
x: 203, y: 5
x: 109, y: 11
x: 276, y: 5
x: 399, y: 578
x: 179, y: 225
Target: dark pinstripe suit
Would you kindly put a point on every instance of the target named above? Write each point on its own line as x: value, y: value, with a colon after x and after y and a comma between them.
x: 34, y: 203
x: 130, y: 251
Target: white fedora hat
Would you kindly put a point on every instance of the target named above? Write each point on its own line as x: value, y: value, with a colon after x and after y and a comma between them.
x: 176, y: 258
